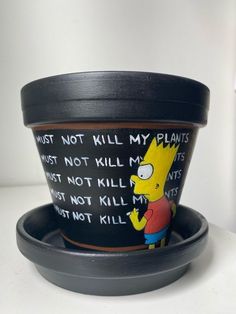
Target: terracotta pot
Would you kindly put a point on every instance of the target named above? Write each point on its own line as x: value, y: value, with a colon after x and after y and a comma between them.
x: 115, y: 148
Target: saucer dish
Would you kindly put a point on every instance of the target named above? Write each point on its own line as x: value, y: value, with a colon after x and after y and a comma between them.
x: 109, y: 273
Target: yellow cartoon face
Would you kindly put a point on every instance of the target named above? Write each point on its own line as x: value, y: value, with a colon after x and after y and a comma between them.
x: 153, y: 170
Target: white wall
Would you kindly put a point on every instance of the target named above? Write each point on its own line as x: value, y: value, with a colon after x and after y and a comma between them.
x: 183, y: 37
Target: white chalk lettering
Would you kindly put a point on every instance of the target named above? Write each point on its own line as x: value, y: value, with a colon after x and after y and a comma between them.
x: 62, y: 212
x: 174, y: 175
x: 79, y: 181
x: 106, y: 139
x: 86, y: 217
x: 54, y: 177
x: 112, y: 201
x: 80, y: 200
x: 180, y: 156
x: 134, y: 160
x: 76, y: 161
x: 108, y: 162
x: 111, y: 183
x: 139, y: 199
x: 45, y: 139
x: 176, y: 138
x: 172, y: 192
x: 58, y: 195
x: 114, y: 220
x: 49, y: 159
x: 72, y: 139
x: 140, y: 139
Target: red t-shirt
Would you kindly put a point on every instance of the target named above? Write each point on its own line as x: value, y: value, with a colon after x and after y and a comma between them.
x: 158, y: 215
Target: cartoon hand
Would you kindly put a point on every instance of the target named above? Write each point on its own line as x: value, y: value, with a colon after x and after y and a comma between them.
x: 137, y: 224
x: 134, y: 215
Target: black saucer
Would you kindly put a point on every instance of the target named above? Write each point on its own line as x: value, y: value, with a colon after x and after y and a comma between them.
x: 100, y: 273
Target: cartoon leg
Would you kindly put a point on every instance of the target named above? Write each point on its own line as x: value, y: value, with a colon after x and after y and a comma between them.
x: 152, y: 246
x: 163, y: 242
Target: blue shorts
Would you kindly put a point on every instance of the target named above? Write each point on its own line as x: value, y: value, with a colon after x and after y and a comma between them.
x: 152, y: 238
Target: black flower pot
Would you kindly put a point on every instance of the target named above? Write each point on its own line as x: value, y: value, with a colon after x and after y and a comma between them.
x: 115, y: 147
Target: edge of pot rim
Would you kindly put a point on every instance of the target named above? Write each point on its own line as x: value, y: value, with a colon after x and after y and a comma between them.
x: 102, y: 72
x: 115, y: 96
x: 159, y: 123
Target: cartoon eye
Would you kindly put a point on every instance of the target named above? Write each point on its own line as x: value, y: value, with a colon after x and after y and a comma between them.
x: 145, y: 171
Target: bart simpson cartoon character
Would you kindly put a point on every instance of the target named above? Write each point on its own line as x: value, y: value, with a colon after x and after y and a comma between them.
x: 150, y: 182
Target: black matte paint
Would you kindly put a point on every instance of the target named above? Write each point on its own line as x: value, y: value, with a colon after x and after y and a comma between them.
x: 115, y: 96
x: 92, y: 232
x: 106, y: 273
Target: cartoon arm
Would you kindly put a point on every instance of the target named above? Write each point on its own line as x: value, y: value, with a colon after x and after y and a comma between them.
x: 137, y: 224
x: 173, y: 208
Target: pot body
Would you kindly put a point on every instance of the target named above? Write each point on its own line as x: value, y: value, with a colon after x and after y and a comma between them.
x: 115, y: 147
x: 115, y: 186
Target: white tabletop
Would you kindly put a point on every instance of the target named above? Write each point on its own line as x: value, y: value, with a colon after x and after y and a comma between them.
x: 209, y: 286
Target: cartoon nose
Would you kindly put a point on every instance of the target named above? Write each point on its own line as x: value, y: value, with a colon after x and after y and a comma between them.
x: 133, y: 178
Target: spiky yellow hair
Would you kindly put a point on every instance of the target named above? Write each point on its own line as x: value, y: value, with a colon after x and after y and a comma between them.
x: 161, y: 156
